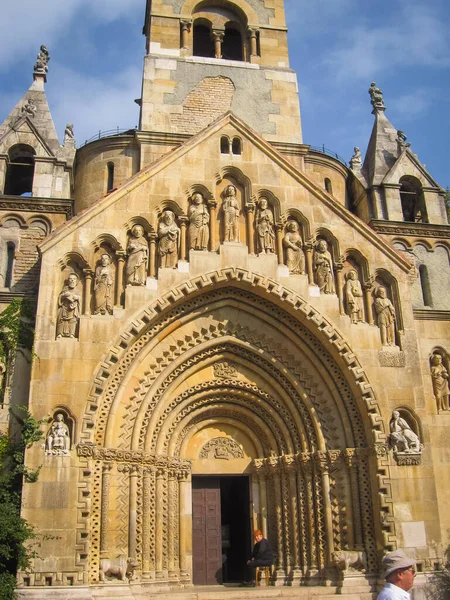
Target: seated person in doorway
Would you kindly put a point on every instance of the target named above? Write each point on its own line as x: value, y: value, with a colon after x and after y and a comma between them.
x: 262, y: 556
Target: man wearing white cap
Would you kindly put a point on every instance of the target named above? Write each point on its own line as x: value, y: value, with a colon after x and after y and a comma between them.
x: 399, y: 572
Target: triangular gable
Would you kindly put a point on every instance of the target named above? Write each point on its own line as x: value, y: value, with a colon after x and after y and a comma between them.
x: 17, y: 129
x: 243, y: 130
x: 42, y: 120
x: 382, y: 151
x: 399, y: 170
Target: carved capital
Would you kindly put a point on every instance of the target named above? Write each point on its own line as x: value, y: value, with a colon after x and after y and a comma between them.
x: 186, y: 24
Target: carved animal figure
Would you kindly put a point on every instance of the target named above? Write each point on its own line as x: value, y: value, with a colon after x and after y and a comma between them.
x: 120, y: 568
x: 349, y: 559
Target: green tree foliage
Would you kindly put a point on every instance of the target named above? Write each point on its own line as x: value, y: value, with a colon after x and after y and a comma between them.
x: 438, y: 587
x: 15, y: 533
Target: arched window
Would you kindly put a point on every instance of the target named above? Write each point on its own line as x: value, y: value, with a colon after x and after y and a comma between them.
x: 224, y: 145
x: 411, y: 197
x: 328, y: 186
x: 20, y: 171
x: 236, y: 146
x: 110, y: 184
x: 203, y: 42
x: 425, y: 284
x: 10, y: 251
x: 232, y: 44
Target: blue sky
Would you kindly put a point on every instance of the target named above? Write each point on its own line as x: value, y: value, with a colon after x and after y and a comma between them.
x: 337, y: 48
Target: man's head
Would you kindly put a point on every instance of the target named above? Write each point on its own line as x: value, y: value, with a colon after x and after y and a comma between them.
x: 258, y: 535
x: 399, y: 569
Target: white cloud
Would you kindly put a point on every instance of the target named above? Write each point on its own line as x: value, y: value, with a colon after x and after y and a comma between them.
x: 414, y: 37
x: 26, y: 25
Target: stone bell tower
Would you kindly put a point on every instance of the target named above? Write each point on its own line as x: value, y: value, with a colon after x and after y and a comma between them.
x: 205, y: 58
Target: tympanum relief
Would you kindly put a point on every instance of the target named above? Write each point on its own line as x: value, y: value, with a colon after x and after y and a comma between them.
x: 221, y: 448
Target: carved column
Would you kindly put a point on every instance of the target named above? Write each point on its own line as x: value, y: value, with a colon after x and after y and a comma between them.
x: 276, y: 476
x: 250, y: 225
x: 183, y: 220
x: 280, y: 228
x: 309, y: 261
x: 367, y: 287
x: 310, y: 510
x: 160, y: 522
x: 88, y: 275
x: 351, y: 459
x: 173, y: 527
x: 302, y: 517
x: 152, y: 254
x: 148, y: 531
x: 252, y: 35
x: 212, y: 204
x: 134, y: 474
x: 185, y: 26
x: 323, y: 469
x: 185, y: 523
x: 104, y: 525
x: 291, y: 474
x: 218, y: 39
x: 119, y: 286
x: 340, y: 286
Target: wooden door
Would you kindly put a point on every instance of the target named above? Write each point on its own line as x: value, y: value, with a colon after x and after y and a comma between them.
x: 206, y: 531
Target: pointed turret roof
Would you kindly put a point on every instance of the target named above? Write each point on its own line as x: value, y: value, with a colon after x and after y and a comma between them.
x: 34, y: 107
x: 382, y: 151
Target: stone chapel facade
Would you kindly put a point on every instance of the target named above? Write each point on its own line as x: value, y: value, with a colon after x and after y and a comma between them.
x: 234, y: 330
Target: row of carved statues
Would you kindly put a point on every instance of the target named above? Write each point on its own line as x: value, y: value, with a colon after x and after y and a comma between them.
x: 402, y: 439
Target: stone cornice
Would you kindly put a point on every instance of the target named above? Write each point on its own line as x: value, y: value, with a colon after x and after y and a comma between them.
x: 40, y: 205
x: 411, y: 229
x: 427, y: 314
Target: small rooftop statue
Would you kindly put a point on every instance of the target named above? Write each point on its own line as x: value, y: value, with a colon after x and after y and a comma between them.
x: 41, y: 66
x: 401, y: 140
x: 376, y: 97
x: 356, y: 159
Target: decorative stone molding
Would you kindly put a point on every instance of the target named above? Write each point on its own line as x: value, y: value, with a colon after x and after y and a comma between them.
x: 224, y: 370
x: 221, y: 448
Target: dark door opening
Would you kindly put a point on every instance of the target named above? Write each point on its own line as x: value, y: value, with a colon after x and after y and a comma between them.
x: 220, y: 529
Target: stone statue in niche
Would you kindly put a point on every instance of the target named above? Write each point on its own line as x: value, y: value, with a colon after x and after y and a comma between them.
x: 104, y: 286
x: 137, y: 257
x: 439, y: 378
x: 69, y: 309
x: 293, y: 244
x: 323, y: 268
x: 230, y: 207
x: 42, y: 59
x: 402, y: 437
x: 265, y: 228
x: 376, y: 96
x: 386, y: 317
x: 58, y: 437
x: 354, y: 297
x: 198, y: 223
x: 169, y: 240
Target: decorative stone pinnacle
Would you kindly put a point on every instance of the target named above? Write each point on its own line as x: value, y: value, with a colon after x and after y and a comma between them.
x: 41, y: 66
x: 376, y: 98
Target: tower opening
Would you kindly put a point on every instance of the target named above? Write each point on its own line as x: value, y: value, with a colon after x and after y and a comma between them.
x: 413, y: 204
x: 20, y: 171
x: 203, y: 43
x: 232, y: 44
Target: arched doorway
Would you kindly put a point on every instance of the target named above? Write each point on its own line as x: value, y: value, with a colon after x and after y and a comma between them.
x: 240, y: 379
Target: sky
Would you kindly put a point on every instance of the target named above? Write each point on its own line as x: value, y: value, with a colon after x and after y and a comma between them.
x: 337, y: 48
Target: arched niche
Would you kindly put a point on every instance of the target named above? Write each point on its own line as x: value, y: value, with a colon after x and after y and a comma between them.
x: 412, y: 200
x: 384, y: 278
x: 20, y: 170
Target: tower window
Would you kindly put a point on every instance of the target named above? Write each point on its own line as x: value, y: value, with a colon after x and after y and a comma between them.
x: 203, y: 43
x: 20, y: 171
x: 232, y: 44
x: 236, y: 146
x: 224, y: 145
x: 412, y: 200
x: 425, y: 284
x: 110, y: 184
x: 328, y: 186
x: 10, y: 251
